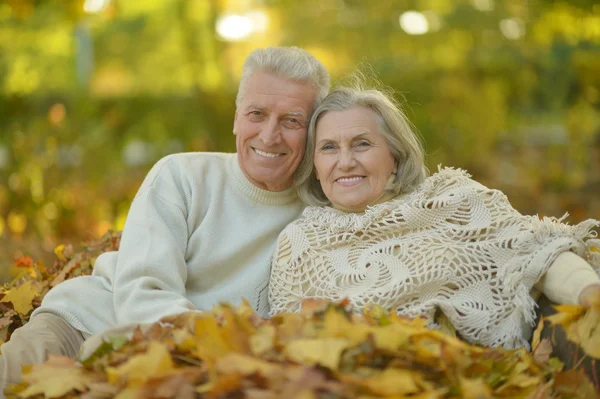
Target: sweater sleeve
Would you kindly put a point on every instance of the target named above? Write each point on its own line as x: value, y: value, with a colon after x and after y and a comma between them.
x: 568, y: 275
x: 150, y: 278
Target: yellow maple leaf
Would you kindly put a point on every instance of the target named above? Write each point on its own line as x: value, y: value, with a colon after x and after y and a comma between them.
x: 21, y: 297
x: 393, y: 382
x: 246, y: 365
x: 55, y: 378
x: 587, y: 330
x: 474, y: 389
x: 581, y: 324
x: 565, y: 315
x: 59, y: 252
x: 263, y: 340
x: 138, y: 369
x: 325, y: 351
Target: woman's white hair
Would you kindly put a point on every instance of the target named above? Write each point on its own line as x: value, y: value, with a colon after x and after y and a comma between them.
x: 291, y: 63
x: 402, y: 141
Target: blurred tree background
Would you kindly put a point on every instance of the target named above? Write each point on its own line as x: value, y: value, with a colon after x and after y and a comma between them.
x: 93, y: 92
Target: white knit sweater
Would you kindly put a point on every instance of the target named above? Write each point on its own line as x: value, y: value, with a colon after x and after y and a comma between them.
x: 452, y: 245
x: 198, y: 233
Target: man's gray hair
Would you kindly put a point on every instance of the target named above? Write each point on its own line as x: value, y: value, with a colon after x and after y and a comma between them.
x: 402, y: 141
x: 291, y: 63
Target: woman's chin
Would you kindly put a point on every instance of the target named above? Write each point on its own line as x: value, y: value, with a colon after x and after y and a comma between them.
x: 355, y: 207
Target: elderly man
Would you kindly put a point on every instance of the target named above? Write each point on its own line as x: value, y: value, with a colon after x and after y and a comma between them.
x: 202, y: 227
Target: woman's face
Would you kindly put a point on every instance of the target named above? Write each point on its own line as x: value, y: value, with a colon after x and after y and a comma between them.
x: 352, y: 160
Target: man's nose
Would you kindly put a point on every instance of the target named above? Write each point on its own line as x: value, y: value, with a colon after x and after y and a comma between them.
x: 271, y: 133
x: 346, y: 160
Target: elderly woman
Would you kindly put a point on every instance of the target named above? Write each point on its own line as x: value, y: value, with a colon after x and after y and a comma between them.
x: 381, y: 232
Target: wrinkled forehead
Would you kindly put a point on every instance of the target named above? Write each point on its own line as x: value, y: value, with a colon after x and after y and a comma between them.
x: 262, y: 83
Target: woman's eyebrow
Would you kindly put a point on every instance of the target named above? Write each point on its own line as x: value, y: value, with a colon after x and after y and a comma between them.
x: 354, y: 138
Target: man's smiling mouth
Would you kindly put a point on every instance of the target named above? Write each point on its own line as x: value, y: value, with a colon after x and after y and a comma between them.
x: 268, y: 154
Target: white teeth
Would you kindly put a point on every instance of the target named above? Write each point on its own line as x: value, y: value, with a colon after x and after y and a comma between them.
x: 350, y: 179
x: 267, y: 154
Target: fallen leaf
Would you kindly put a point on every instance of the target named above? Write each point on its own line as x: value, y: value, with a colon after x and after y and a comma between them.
x: 59, y: 252
x: 137, y: 370
x: 24, y: 261
x: 535, y: 340
x: 393, y: 382
x: 55, y: 378
x: 325, y: 352
x: 542, y: 351
x: 21, y: 297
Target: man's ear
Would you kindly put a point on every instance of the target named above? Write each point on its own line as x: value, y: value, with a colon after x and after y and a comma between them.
x: 235, y: 116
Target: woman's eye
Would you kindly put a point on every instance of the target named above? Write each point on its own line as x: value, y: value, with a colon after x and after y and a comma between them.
x: 363, y: 144
x: 327, y: 147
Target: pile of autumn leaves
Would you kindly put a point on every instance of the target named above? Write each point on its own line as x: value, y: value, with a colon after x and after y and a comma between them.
x: 32, y: 279
x: 323, y: 353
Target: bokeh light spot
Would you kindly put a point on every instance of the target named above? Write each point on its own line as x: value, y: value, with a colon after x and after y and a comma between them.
x: 414, y: 23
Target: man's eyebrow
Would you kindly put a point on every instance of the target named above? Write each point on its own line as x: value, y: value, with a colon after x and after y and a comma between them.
x: 256, y: 106
x: 295, y: 113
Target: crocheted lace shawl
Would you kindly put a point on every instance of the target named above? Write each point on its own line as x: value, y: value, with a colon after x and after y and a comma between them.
x: 452, y: 244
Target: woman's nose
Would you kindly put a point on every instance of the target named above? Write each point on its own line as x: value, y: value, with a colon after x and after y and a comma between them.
x: 346, y: 160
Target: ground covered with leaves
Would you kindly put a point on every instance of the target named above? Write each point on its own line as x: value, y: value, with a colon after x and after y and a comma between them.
x: 325, y: 352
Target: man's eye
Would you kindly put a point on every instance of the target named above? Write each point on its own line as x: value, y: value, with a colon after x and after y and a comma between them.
x: 255, y: 113
x: 292, y: 123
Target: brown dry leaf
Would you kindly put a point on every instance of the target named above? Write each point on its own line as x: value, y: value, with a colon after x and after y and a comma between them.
x: 542, y: 351
x: 140, y: 368
x: 21, y: 297
x: 66, y: 270
x: 574, y: 384
x: 7, y: 318
x: 55, y: 378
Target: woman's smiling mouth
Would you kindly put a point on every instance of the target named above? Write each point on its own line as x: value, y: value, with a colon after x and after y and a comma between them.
x: 349, y: 181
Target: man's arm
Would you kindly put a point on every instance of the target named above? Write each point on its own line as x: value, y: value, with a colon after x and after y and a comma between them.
x: 151, y: 274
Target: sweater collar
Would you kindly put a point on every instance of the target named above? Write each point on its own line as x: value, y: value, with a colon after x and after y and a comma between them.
x: 258, y: 194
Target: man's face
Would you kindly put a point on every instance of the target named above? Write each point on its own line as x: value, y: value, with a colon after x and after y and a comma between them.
x: 270, y: 127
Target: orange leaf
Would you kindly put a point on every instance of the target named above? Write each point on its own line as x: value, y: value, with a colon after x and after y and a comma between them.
x: 24, y: 261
